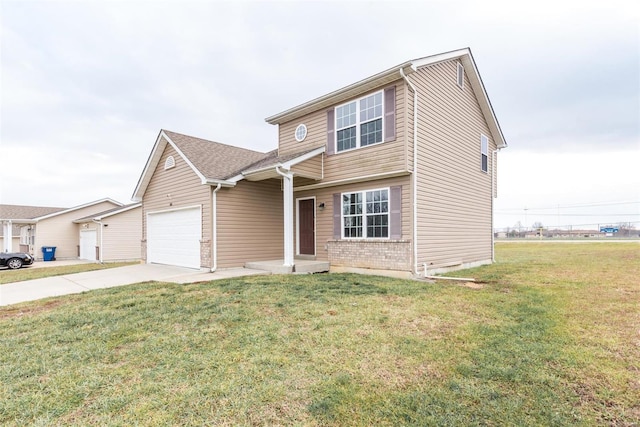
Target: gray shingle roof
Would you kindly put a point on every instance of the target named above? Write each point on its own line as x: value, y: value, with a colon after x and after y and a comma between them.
x: 215, y: 160
x: 19, y: 212
x: 275, y: 159
x: 26, y: 212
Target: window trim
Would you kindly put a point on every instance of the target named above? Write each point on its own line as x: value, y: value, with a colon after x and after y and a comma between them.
x: 300, y: 133
x: 364, y: 214
x: 460, y: 75
x: 359, y: 122
x: 484, y: 152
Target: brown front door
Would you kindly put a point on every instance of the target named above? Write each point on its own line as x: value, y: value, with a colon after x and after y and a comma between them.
x: 306, y: 224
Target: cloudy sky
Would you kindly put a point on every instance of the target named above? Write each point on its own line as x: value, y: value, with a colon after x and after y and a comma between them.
x: 86, y: 87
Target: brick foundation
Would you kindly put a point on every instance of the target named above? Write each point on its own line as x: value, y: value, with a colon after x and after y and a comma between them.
x: 377, y: 254
x: 205, y: 253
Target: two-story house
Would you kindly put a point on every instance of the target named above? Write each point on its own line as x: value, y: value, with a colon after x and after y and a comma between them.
x: 394, y: 172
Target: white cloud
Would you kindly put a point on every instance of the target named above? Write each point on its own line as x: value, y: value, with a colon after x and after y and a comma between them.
x: 80, y: 78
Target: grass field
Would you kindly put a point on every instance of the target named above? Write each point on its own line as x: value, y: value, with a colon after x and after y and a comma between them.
x: 552, y: 337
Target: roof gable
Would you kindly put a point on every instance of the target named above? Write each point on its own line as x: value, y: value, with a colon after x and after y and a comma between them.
x: 75, y: 208
x: 32, y: 214
x: 212, y: 162
x: 110, y: 212
x: 266, y: 168
x: 471, y: 70
x: 396, y: 73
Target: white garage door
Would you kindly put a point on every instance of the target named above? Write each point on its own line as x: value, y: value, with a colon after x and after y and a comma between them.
x: 173, y: 237
x: 88, y: 244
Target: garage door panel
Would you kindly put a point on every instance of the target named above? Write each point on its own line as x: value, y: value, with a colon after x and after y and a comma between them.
x: 173, y: 237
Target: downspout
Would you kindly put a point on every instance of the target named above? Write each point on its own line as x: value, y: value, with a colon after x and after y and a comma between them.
x: 415, y: 172
x: 288, y: 216
x: 494, y: 157
x: 214, y: 209
x: 101, y: 242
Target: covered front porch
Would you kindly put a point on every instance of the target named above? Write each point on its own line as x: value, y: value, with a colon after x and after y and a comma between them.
x: 306, y: 165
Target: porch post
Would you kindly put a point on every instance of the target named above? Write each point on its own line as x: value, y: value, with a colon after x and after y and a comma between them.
x: 288, y: 217
x: 7, y: 227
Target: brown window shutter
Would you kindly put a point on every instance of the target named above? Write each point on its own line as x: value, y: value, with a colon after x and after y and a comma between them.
x: 390, y: 114
x: 331, y: 135
x: 395, y: 218
x: 337, y: 216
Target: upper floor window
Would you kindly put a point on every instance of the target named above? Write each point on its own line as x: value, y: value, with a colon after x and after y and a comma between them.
x: 359, y: 123
x: 484, y: 153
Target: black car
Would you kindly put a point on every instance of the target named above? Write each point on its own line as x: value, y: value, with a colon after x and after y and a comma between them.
x: 15, y: 260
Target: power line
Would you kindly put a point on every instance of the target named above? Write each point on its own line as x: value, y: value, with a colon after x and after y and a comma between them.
x: 555, y: 214
x: 583, y: 205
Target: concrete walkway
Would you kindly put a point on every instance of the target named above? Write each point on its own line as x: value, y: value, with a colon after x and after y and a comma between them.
x: 31, y: 290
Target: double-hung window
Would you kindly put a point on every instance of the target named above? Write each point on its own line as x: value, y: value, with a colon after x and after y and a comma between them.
x: 359, y: 123
x: 365, y: 214
x: 484, y: 153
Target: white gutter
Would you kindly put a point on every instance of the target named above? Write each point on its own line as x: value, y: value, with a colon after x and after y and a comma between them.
x: 288, y: 216
x: 219, y: 182
x: 214, y: 208
x: 415, y: 172
x: 101, y: 242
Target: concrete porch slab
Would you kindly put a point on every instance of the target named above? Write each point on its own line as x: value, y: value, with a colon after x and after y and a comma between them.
x: 301, y: 266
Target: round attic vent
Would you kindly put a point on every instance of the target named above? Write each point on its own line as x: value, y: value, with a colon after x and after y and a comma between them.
x: 301, y: 132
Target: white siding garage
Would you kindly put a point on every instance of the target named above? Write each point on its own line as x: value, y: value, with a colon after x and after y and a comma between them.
x: 88, y: 243
x: 173, y: 237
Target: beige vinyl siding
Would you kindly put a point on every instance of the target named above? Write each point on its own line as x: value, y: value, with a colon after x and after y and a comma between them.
x: 454, y: 195
x: 379, y: 158
x: 316, y: 133
x: 60, y: 231
x: 176, y: 188
x: 324, y: 218
x: 299, y: 181
x: 311, y: 168
x: 250, y: 223
x: 121, y: 239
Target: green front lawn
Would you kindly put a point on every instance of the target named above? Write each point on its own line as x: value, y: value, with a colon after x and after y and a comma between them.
x: 551, y: 338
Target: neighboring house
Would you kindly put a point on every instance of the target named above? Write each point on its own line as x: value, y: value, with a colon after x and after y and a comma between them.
x: 18, y: 225
x: 40, y: 226
x: 394, y: 172
x: 112, y: 235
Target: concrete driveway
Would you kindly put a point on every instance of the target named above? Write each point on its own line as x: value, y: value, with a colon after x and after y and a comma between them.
x: 31, y: 290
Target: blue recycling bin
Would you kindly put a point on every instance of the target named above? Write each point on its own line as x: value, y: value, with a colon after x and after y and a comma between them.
x: 49, y: 253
